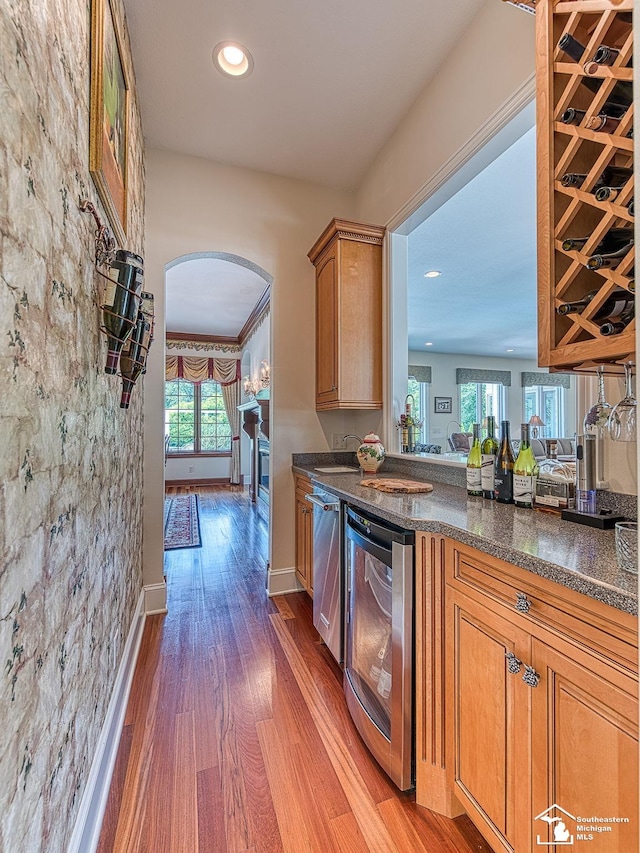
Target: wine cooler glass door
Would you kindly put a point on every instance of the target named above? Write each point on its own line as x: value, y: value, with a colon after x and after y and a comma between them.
x: 378, y: 676
x: 371, y: 647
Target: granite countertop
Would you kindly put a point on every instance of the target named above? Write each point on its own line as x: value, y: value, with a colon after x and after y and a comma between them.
x: 581, y: 558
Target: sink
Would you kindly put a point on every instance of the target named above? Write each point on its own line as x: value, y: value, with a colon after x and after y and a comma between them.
x: 337, y: 469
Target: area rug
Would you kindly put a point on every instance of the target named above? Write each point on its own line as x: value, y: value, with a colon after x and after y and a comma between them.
x: 181, y: 522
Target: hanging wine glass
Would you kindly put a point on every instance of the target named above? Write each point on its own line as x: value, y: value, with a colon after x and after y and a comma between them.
x: 596, y: 421
x: 622, y: 420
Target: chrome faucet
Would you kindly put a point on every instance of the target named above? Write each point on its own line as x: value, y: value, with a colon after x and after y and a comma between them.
x: 352, y: 435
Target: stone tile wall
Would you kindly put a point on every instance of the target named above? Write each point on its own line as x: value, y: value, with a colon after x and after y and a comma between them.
x: 70, y: 458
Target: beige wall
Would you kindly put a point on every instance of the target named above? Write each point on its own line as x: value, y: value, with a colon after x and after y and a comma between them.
x: 493, y: 58
x: 197, y: 205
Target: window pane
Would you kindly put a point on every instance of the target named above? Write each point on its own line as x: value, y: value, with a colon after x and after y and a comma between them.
x: 179, y: 415
x: 215, y: 431
x: 469, y: 393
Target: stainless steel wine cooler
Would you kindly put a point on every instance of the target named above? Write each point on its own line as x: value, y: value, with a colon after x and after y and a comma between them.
x: 378, y: 674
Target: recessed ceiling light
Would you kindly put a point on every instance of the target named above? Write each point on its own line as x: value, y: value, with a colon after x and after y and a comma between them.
x: 429, y: 344
x: 432, y: 274
x: 510, y: 350
x: 232, y: 59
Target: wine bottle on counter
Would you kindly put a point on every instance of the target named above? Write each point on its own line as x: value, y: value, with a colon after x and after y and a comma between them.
x: 611, y: 176
x: 616, y: 304
x: 133, y: 357
x: 525, y: 469
x: 474, y: 464
x: 613, y: 239
x: 609, y: 260
x: 504, y: 467
x: 489, y: 452
x: 121, y: 301
x: 621, y: 93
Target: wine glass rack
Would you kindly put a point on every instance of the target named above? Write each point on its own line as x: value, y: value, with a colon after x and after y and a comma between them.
x: 574, y: 341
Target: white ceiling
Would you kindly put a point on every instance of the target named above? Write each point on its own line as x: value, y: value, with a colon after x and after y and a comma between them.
x: 211, y: 296
x: 331, y: 81
x: 483, y: 240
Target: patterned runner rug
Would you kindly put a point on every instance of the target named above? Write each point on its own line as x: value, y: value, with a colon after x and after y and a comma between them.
x: 181, y: 522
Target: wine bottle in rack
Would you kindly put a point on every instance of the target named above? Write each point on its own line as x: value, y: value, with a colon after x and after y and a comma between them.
x: 572, y: 115
x: 604, y: 55
x: 605, y: 123
x: 613, y: 239
x: 490, y: 449
x: 611, y: 176
x: 504, y: 467
x: 121, y: 301
x: 609, y: 260
x: 133, y: 357
x: 630, y: 208
x: 474, y: 464
x: 614, y: 327
x: 621, y: 93
x: 525, y: 469
x: 608, y: 193
x: 615, y: 305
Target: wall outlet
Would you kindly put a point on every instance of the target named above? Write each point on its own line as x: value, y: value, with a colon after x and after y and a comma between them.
x: 339, y: 441
x: 191, y: 469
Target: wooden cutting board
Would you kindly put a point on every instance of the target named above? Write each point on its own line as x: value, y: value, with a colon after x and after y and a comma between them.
x: 392, y: 484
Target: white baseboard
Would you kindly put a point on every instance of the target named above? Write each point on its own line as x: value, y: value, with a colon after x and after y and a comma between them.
x: 282, y: 581
x: 86, y: 833
x: 155, y: 599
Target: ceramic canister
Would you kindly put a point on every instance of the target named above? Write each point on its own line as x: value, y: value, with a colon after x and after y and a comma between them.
x: 370, y: 453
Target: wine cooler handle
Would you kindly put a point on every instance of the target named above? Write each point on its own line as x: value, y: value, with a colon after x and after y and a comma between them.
x: 523, y: 605
x: 514, y: 665
x: 530, y: 676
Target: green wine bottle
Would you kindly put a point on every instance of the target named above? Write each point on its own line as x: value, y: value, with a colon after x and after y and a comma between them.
x: 525, y: 470
x: 504, y: 467
x: 474, y: 464
x: 490, y: 448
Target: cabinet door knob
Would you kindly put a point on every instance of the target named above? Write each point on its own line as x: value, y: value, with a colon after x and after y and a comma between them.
x: 530, y: 676
x: 523, y: 605
x: 514, y: 665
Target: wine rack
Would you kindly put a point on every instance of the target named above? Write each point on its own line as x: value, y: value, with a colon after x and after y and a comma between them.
x: 573, y: 341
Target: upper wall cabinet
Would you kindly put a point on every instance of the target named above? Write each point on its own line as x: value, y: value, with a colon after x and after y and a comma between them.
x: 348, y: 262
x: 585, y: 173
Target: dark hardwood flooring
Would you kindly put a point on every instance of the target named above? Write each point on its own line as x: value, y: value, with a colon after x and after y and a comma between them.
x: 237, y: 736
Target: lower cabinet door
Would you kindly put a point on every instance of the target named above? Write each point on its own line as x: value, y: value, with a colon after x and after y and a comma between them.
x: 489, y: 721
x: 302, y: 540
x: 585, y: 737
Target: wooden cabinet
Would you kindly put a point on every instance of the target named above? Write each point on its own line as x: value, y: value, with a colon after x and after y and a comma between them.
x: 348, y: 262
x: 572, y: 147
x: 432, y: 787
x: 541, y: 705
x: 304, y: 533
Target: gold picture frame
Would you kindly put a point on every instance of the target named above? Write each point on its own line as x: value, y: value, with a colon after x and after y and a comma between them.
x: 109, y: 117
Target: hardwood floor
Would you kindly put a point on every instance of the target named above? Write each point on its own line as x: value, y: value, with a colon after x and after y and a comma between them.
x: 237, y: 736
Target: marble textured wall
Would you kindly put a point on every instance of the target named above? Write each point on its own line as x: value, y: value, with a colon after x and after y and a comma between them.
x: 70, y: 459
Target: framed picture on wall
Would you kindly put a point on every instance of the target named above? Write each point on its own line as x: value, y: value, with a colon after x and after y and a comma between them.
x: 108, y: 118
x: 442, y: 405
